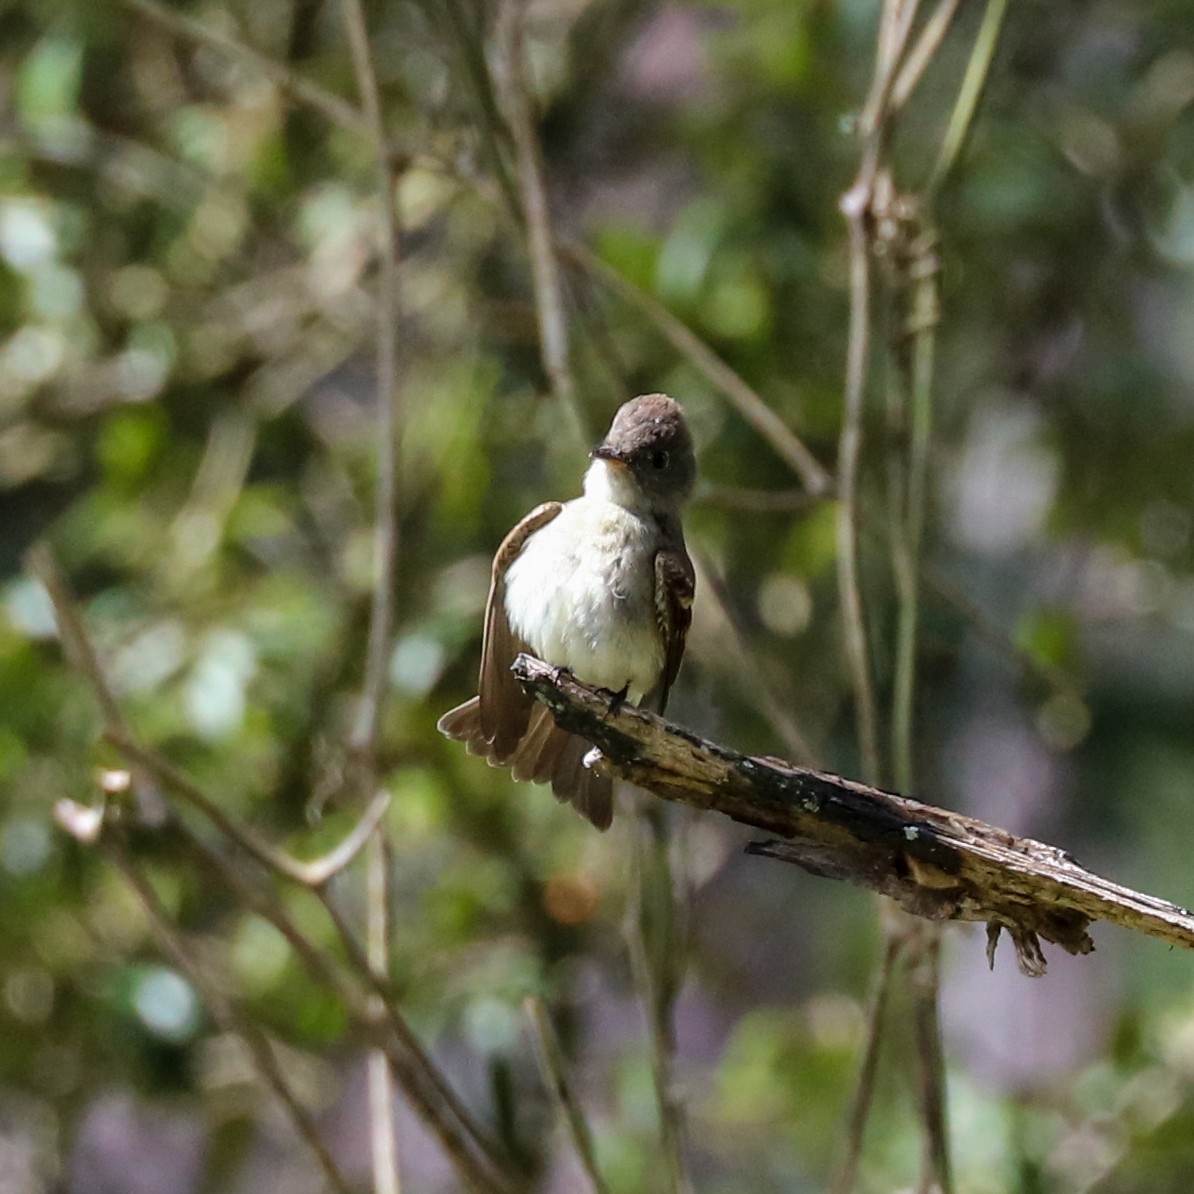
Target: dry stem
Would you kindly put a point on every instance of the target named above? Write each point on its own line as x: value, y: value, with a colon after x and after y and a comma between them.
x: 545, y: 272
x: 366, y: 730
x: 555, y: 1078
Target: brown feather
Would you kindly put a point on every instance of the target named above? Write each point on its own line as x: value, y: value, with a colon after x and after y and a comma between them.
x: 545, y: 753
x: 589, y: 793
x: 533, y: 760
x: 462, y: 723
x: 505, y: 708
x: 675, y: 584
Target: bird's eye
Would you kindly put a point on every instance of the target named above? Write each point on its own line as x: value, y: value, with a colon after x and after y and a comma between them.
x: 659, y: 459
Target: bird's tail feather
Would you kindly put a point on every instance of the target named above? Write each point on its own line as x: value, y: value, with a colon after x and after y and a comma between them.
x: 589, y: 793
x: 544, y: 753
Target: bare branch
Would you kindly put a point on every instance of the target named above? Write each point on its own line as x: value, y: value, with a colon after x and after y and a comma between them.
x: 936, y: 864
x: 971, y: 91
x: 337, y: 109
x: 420, y: 1073
x: 650, y: 963
x: 228, y: 1015
x: 856, y: 205
x: 75, y: 640
x: 365, y: 730
x: 480, y: 1164
x: 853, y: 615
x: 384, y: 1145
x: 320, y: 871
x: 922, y: 53
x: 745, y: 400
x: 754, y: 680
x: 382, y: 1130
x: 310, y: 874
x: 551, y: 1066
x: 510, y: 77
x: 997, y: 636
x: 924, y: 972
x: 909, y: 507
x: 864, y: 1086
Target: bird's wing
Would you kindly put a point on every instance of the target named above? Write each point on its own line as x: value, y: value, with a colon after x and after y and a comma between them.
x: 505, y: 708
x: 675, y: 584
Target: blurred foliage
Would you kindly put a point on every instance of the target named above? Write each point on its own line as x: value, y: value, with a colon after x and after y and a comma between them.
x: 186, y: 328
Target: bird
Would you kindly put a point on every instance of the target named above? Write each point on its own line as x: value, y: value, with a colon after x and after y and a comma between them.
x: 602, y: 586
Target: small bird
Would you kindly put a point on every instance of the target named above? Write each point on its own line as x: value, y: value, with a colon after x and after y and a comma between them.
x: 601, y: 585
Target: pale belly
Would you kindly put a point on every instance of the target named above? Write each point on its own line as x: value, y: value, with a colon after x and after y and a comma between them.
x: 581, y: 594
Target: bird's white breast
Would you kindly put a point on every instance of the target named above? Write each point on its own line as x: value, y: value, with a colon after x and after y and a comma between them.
x: 581, y: 594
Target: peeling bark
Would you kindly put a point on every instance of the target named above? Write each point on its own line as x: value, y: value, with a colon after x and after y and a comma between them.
x: 936, y: 864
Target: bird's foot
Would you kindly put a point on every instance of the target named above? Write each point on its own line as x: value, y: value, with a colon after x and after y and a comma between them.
x: 618, y: 699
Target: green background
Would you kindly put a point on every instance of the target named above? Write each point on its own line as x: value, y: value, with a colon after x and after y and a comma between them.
x: 187, y: 325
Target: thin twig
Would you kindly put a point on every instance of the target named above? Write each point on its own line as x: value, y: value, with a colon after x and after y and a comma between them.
x: 382, y: 1128
x: 320, y: 871
x: 648, y: 969
x: 973, y: 84
x: 76, y: 642
x: 923, y: 52
x: 81, y: 652
x: 756, y: 683
x: 366, y: 729
x: 924, y: 973
x: 908, y: 530
x: 910, y: 517
x: 337, y: 109
x: 177, y: 782
x: 480, y: 1163
x: 895, y: 26
x: 228, y: 1015
x: 550, y: 309
x: 312, y: 874
x: 996, y: 635
x: 858, y: 206
x: 745, y: 400
x: 555, y: 1078
x: 853, y: 616
x: 864, y: 1084
x: 385, y: 540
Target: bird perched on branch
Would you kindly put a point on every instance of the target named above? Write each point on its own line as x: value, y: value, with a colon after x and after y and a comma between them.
x: 601, y: 585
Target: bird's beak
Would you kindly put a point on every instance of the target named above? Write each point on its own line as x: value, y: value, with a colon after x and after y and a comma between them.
x: 613, y: 455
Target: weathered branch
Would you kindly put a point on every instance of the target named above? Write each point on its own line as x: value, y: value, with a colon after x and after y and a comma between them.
x: 935, y: 863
